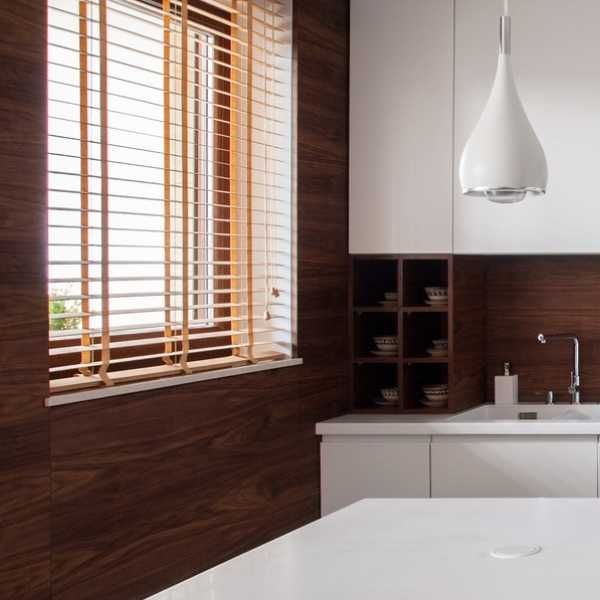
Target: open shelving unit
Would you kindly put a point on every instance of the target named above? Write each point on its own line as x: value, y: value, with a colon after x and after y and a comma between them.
x: 416, y: 324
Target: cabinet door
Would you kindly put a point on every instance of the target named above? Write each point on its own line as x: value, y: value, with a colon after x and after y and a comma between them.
x: 514, y: 466
x: 401, y: 126
x: 555, y: 49
x: 357, y: 467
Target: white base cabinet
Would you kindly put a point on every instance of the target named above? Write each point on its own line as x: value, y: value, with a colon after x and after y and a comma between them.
x: 354, y: 467
x: 357, y: 467
x: 514, y: 466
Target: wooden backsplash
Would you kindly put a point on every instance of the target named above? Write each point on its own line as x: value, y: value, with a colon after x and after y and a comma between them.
x: 526, y: 295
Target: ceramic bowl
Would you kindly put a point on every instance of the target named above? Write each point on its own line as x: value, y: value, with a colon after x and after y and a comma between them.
x: 391, y: 296
x: 433, y: 403
x: 386, y: 340
x: 388, y: 352
x: 437, y: 397
x: 441, y: 343
x: 390, y: 394
x: 387, y: 348
x: 435, y: 393
x: 437, y: 352
x: 435, y: 390
x: 436, y: 387
x: 437, y: 293
x: 387, y: 343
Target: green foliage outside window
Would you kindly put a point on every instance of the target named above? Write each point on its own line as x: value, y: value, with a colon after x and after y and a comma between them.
x: 58, y: 306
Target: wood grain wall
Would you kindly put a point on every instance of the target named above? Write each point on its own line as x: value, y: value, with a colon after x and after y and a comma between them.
x: 527, y: 295
x: 118, y: 498
x: 24, y: 445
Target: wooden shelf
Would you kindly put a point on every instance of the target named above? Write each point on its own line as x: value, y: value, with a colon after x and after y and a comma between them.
x: 426, y: 360
x: 385, y: 410
x: 425, y: 309
x: 375, y: 309
x: 428, y: 411
x: 373, y: 360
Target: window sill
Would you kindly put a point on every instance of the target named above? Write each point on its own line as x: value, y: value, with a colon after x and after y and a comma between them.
x: 156, y: 384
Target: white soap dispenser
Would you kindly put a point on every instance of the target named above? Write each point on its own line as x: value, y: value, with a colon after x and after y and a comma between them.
x: 506, y: 387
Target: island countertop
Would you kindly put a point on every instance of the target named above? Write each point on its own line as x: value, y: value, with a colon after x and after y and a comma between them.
x: 420, y: 549
x: 521, y: 419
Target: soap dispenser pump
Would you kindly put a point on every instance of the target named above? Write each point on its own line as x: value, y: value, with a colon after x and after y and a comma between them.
x: 506, y: 387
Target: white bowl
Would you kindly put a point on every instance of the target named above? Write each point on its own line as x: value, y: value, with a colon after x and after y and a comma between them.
x: 390, y: 394
x: 386, y: 340
x: 436, y: 397
x: 385, y: 353
x: 390, y: 296
x: 389, y: 350
x: 433, y: 403
x: 441, y: 343
x: 435, y: 393
x: 435, y: 390
x: 436, y: 293
x: 438, y: 302
x: 437, y: 352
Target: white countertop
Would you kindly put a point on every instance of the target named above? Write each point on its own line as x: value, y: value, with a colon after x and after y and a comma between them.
x: 484, y: 420
x: 419, y: 549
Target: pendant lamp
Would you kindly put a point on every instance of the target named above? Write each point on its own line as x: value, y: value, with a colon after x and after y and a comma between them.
x: 503, y: 159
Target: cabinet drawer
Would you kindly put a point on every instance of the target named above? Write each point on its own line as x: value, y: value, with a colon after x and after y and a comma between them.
x: 378, y: 467
x: 514, y: 466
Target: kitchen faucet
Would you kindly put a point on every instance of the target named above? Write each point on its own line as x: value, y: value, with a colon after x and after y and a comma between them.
x: 574, y: 387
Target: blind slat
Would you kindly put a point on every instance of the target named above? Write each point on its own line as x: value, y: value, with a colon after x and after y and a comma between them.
x: 144, y: 357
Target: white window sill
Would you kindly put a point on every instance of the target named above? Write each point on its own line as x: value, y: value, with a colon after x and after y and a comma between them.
x: 156, y: 384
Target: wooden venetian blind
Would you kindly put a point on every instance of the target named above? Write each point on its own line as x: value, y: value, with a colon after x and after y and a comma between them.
x: 169, y: 202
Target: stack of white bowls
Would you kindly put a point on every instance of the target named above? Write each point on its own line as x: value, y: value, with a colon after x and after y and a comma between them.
x: 436, y: 396
x: 391, y: 299
x: 387, y: 345
x: 389, y: 396
x: 439, y: 348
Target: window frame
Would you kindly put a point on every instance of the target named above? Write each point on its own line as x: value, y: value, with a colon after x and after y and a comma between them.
x: 223, y: 198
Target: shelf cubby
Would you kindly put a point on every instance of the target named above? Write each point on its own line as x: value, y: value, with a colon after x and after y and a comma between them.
x: 369, y: 325
x: 369, y: 379
x: 419, y: 273
x: 419, y: 331
x: 373, y: 277
x: 418, y: 375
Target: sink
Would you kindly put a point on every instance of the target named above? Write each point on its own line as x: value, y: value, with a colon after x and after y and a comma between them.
x: 533, y: 412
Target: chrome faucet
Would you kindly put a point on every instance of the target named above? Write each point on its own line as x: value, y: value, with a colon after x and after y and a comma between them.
x: 574, y: 387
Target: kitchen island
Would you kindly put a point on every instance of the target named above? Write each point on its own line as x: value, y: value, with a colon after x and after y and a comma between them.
x: 402, y: 549
x: 525, y: 450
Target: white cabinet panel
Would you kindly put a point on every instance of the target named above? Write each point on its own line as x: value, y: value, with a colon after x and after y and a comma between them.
x: 357, y: 467
x: 514, y: 466
x: 401, y: 71
x: 555, y: 47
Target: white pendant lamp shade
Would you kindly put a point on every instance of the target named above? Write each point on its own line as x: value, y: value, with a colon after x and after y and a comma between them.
x: 503, y: 159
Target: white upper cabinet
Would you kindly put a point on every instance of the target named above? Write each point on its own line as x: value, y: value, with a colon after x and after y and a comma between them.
x: 556, y: 60
x: 401, y: 76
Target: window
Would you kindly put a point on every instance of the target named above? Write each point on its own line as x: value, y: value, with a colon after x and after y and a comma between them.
x: 169, y: 188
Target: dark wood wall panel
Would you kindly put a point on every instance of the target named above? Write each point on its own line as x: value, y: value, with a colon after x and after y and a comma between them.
x: 115, y: 499
x: 24, y: 447
x: 527, y: 295
x: 469, y: 277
